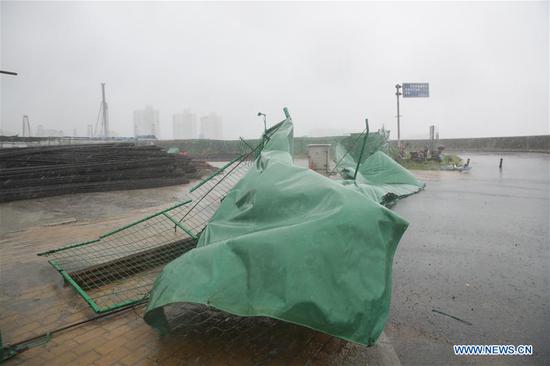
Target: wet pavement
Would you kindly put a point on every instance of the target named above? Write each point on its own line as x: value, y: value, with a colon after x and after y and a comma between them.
x: 87, y: 207
x: 477, y: 248
x: 34, y: 300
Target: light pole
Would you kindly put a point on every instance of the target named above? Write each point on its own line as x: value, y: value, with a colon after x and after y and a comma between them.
x: 265, y: 123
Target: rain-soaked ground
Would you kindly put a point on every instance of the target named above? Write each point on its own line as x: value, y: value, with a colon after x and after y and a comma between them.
x: 477, y: 248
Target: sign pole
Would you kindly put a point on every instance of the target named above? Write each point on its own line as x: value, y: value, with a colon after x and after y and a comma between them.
x: 397, y: 94
x: 410, y: 90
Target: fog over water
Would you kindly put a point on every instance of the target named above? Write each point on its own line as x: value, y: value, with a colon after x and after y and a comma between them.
x: 331, y: 64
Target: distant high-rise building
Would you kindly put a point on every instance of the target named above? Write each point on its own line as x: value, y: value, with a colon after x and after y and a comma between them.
x: 46, y: 132
x: 185, y: 125
x: 211, y: 127
x: 146, y: 122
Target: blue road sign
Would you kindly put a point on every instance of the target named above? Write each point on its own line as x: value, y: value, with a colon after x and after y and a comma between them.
x: 416, y: 90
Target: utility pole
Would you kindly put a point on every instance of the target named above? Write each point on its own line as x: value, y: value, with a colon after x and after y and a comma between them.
x: 105, y: 122
x: 397, y: 94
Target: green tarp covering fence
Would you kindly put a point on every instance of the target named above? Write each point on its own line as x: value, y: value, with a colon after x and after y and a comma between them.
x: 291, y: 244
x: 380, y: 177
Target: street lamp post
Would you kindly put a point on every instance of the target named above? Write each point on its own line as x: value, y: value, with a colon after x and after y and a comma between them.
x: 265, y: 123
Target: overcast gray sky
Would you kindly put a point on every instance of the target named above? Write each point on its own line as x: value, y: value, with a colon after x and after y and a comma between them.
x: 332, y: 64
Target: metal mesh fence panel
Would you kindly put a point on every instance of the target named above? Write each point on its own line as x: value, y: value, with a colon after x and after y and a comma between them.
x: 119, y: 267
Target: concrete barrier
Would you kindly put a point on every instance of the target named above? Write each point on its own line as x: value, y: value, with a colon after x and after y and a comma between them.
x: 225, y: 149
x: 539, y: 143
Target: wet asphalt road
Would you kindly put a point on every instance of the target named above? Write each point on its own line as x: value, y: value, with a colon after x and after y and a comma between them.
x: 477, y: 248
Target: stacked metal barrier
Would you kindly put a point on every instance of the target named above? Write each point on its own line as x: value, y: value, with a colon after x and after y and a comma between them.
x: 44, y: 171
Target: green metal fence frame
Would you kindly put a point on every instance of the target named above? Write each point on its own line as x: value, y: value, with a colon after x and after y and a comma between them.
x: 194, y: 236
x: 177, y: 223
x: 79, y: 289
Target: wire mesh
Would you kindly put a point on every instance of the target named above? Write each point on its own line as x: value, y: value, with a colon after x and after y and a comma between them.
x: 207, y: 195
x: 351, y: 147
x: 120, y: 267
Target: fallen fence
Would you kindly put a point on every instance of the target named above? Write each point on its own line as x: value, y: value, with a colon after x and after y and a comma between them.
x: 119, y: 268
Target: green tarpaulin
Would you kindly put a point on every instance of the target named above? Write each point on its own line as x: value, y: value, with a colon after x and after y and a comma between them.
x: 291, y: 244
x: 376, y: 141
x: 380, y: 177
